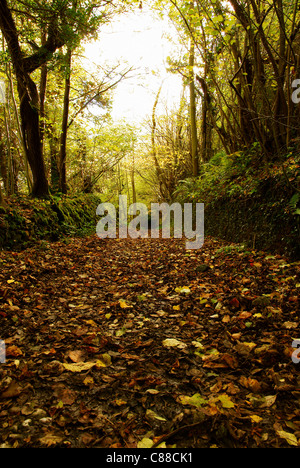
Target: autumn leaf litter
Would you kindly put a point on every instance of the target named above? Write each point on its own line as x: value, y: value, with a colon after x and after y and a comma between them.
x: 141, y: 343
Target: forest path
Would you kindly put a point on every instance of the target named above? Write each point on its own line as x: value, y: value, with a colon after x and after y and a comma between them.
x: 126, y: 343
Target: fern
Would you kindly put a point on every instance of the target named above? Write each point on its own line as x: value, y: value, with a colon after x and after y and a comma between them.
x: 293, y: 204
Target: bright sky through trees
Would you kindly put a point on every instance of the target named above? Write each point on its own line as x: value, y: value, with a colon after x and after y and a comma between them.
x: 140, y: 41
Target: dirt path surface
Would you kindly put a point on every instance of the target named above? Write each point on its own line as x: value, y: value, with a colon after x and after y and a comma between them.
x: 130, y: 343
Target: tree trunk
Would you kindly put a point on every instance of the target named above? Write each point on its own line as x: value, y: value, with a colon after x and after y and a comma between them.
x: 30, y: 125
x: 193, y: 121
x: 43, y: 89
x: 3, y: 165
x: 159, y: 172
x: 54, y: 155
x: 205, y: 124
x: 134, y: 199
x: 64, y: 131
x: 19, y: 127
x: 2, y: 201
x: 28, y: 94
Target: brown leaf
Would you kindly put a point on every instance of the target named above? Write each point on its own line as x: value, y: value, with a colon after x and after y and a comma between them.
x: 13, y: 351
x: 245, y: 315
x: 64, y: 394
x: 77, y: 355
x: 234, y: 302
x: 14, y: 389
x: 230, y: 360
x: 251, y: 384
x: 51, y: 439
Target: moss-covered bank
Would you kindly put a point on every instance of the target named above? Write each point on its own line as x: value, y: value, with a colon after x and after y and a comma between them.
x: 264, y: 220
x: 26, y: 221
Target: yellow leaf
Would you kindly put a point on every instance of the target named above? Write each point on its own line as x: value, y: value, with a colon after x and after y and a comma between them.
x: 88, y: 381
x: 123, y: 304
x: 152, y: 415
x: 79, y: 366
x: 104, y: 361
x: 268, y: 401
x: 195, y: 400
x: 10, y: 281
x: 249, y: 344
x: 163, y: 445
x: 183, y: 289
x: 256, y: 419
x: 51, y: 439
x: 120, y: 402
x: 145, y: 443
x: 226, y: 401
x: 172, y: 343
x: 290, y: 438
x: 91, y: 322
x: 197, y: 344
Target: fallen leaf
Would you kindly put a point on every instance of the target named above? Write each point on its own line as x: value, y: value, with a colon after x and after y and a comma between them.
x: 152, y: 415
x: 79, y: 366
x: 268, y: 401
x: 290, y: 438
x: 65, y: 395
x: 173, y: 343
x: 226, y: 401
x: 230, y: 360
x: 104, y: 359
x: 91, y: 322
x: 195, y: 400
x: 197, y: 344
x: 183, y: 289
x: 13, y: 351
x: 290, y: 325
x: 244, y: 348
x: 226, y: 319
x: 119, y: 402
x: 121, y: 332
x: 255, y: 418
x: 123, y: 304
x: 13, y: 390
x: 51, y: 439
x: 145, y: 443
x: 251, y: 384
x: 88, y: 381
x: 234, y: 302
x: 76, y: 356
x: 244, y: 315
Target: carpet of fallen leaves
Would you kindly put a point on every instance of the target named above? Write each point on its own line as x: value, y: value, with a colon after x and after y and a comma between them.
x: 140, y: 343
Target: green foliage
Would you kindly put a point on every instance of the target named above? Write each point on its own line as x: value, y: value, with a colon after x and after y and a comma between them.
x: 217, y: 177
x: 294, y: 201
x: 231, y: 249
x: 73, y: 20
x: 240, y: 175
x: 26, y: 221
